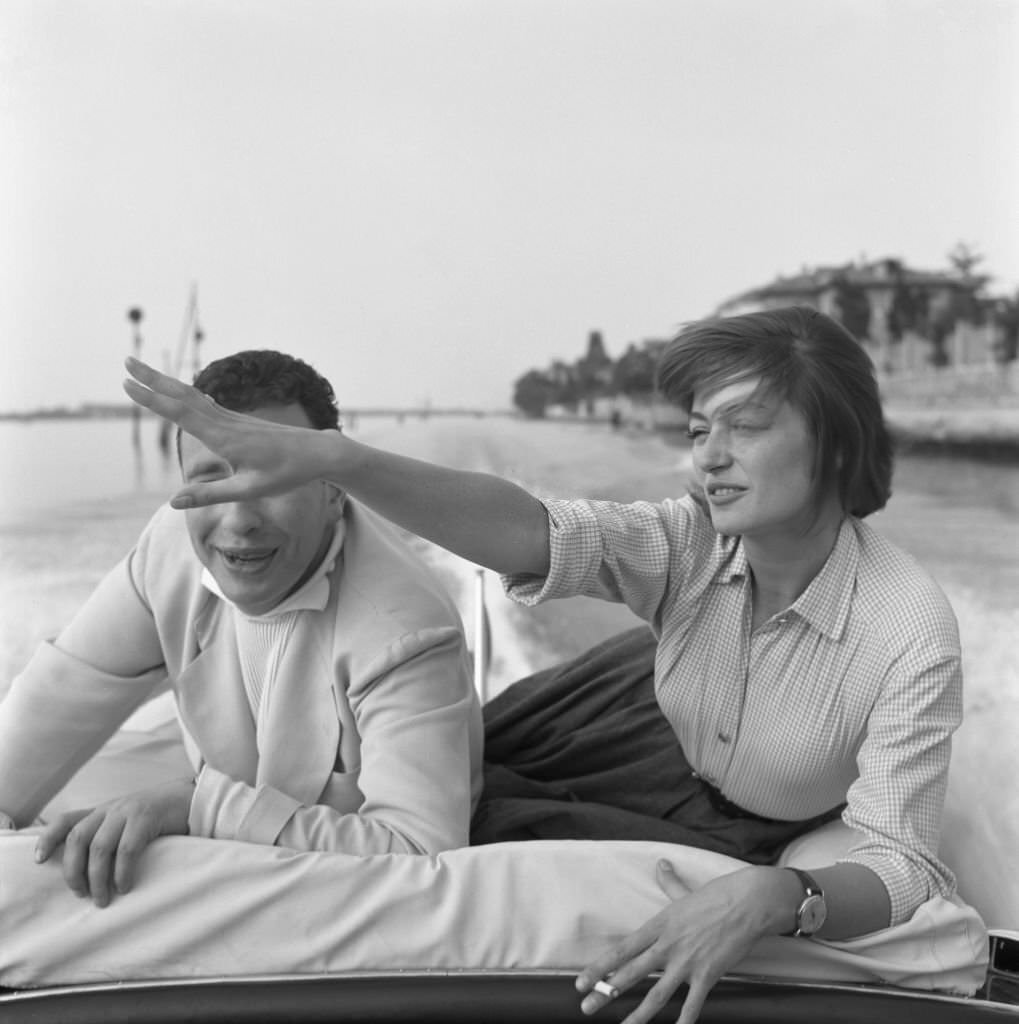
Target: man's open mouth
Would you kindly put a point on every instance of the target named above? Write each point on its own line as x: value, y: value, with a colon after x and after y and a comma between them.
x: 242, y: 560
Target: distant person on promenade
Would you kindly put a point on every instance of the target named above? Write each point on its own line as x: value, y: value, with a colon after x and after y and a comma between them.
x: 320, y: 672
x: 804, y: 668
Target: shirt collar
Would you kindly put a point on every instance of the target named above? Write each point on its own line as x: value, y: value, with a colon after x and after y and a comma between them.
x: 733, y: 559
x: 313, y: 595
x: 826, y: 602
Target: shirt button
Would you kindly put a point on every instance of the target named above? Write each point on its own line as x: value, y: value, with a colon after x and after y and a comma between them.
x: 724, y: 737
x: 782, y: 621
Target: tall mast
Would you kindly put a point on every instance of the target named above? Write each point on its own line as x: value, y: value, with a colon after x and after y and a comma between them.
x: 190, y: 333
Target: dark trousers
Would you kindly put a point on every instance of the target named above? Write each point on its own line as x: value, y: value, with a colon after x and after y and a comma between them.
x: 582, y: 751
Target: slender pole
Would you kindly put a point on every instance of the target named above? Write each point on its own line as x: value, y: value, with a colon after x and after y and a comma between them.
x: 165, y: 430
x: 199, y: 335
x: 134, y: 314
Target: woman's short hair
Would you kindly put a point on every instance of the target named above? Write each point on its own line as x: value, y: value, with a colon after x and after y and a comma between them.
x: 815, y: 364
x: 247, y: 380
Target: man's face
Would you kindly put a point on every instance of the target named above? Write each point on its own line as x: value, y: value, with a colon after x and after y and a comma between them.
x: 260, y: 551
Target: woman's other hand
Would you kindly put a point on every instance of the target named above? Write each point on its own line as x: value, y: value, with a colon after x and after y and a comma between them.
x: 701, y: 935
x: 102, y: 845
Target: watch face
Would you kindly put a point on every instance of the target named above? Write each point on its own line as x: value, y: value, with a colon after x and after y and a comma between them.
x: 813, y: 912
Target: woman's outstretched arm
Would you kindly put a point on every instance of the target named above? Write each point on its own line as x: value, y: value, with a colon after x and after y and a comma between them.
x: 478, y: 516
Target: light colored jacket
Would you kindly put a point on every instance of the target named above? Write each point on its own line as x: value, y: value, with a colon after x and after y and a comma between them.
x: 371, y: 742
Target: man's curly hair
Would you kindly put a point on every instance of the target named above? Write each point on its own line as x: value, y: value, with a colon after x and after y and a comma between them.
x: 247, y: 380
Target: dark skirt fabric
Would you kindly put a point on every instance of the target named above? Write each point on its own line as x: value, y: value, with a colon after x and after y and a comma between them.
x: 582, y: 751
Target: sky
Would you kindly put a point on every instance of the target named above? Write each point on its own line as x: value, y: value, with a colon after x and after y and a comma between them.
x: 426, y: 198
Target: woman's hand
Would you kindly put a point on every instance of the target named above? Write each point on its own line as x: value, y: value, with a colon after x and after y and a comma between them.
x: 266, y: 458
x: 102, y: 845
x: 700, y: 936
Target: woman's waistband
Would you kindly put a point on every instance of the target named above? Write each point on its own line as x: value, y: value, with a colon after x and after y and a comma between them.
x: 725, y: 806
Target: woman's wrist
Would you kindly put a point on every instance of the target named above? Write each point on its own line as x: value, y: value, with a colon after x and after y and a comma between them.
x: 778, y: 895
x: 330, y: 453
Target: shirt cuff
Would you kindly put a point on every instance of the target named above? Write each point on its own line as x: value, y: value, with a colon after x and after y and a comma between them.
x: 574, y: 556
x: 906, y: 889
x: 224, y: 809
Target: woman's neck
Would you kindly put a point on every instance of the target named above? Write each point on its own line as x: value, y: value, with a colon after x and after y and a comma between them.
x: 783, y: 567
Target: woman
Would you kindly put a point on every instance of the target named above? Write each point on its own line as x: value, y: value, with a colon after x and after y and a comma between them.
x: 802, y: 660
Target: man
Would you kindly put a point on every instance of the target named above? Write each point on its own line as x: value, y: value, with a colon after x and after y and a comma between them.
x: 319, y: 672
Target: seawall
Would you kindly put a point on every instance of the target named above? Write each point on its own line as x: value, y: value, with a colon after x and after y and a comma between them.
x: 991, y: 432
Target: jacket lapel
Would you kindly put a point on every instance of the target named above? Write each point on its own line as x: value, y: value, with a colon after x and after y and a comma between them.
x: 212, y: 701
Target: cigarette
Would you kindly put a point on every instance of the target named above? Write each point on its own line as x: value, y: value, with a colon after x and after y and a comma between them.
x: 605, y: 989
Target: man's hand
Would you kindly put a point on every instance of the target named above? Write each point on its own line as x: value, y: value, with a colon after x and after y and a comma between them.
x: 699, y: 936
x: 103, y: 844
x: 266, y: 458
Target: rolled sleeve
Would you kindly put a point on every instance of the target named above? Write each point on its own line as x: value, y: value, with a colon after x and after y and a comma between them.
x: 625, y: 553
x: 575, y: 555
x: 897, y: 801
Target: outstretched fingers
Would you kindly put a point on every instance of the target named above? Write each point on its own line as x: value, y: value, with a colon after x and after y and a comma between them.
x: 264, y: 457
x: 169, y: 408
x: 619, y: 969
x: 216, y: 492
x: 154, y: 380
x: 168, y: 397
x: 696, y: 996
x: 673, y: 976
x: 617, y: 982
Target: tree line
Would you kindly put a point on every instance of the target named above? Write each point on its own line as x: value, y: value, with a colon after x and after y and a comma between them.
x: 914, y: 308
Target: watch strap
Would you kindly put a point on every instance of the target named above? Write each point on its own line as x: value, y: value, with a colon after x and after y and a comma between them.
x: 810, y: 888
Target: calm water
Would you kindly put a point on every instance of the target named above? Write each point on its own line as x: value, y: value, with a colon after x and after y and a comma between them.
x: 48, y: 465
x: 958, y: 516
x: 74, y: 495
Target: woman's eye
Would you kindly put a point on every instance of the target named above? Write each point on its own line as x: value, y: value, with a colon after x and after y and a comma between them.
x: 696, y: 432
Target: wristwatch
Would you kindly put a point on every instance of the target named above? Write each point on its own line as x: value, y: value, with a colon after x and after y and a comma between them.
x: 812, y: 912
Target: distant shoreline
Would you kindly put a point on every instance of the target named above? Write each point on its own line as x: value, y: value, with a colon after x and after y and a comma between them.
x: 117, y: 412
x: 990, y: 432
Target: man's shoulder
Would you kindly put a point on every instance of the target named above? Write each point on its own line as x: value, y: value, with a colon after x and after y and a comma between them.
x: 383, y: 581
x: 163, y: 557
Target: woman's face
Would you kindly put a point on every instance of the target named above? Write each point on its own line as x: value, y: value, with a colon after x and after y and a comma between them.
x: 754, y: 456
